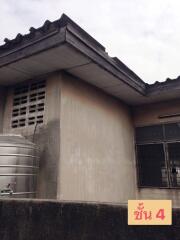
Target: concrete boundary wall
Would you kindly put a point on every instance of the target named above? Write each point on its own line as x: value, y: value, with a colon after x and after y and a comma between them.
x: 51, y: 220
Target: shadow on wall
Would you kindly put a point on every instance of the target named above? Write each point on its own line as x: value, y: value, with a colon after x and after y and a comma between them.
x: 47, y: 139
x: 45, y: 220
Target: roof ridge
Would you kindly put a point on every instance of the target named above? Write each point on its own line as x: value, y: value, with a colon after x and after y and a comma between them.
x: 46, y: 28
x: 34, y: 33
x: 167, y: 81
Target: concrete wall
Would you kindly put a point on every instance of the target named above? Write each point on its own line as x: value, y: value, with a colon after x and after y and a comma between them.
x: 148, y: 115
x: 86, y: 143
x: 97, y: 147
x: 46, y: 137
x: 45, y: 220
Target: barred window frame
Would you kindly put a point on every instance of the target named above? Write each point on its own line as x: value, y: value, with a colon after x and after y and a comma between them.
x: 167, y: 136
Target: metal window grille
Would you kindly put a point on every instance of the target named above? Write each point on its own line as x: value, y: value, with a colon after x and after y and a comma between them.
x: 158, y: 155
x: 28, y: 104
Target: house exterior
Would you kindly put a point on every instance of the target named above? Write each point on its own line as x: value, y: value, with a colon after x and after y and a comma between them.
x: 104, y: 134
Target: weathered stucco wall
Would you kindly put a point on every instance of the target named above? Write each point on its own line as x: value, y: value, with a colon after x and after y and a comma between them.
x: 97, y: 147
x: 46, y: 137
x: 86, y: 143
x: 148, y: 115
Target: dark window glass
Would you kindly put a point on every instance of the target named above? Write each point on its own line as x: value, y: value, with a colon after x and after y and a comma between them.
x: 151, y: 165
x: 149, y: 133
x: 172, y: 131
x: 174, y: 161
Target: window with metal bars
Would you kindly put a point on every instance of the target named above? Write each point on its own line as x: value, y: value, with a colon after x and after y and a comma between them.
x: 158, y: 155
x: 28, y: 104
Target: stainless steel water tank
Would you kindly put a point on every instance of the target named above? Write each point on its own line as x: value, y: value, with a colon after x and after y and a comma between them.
x: 18, y: 166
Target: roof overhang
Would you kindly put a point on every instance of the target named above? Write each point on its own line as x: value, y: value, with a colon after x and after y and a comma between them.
x: 63, y: 45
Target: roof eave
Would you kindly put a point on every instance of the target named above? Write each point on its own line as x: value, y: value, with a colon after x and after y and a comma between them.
x: 66, y: 31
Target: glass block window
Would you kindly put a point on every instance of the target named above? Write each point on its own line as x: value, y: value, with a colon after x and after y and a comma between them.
x: 28, y: 104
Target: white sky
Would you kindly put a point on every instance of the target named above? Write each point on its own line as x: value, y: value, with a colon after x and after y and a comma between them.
x: 144, y: 34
